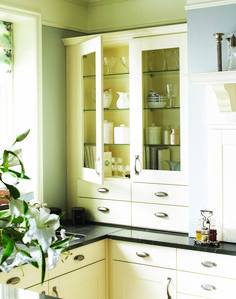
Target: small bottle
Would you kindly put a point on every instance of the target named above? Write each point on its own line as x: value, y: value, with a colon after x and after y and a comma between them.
x: 213, y: 232
x: 199, y: 230
x: 174, y: 137
x: 205, y: 235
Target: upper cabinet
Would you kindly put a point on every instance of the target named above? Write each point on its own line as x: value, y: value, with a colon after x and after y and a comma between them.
x: 127, y: 107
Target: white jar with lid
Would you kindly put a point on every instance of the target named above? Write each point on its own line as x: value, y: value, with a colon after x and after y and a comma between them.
x: 121, y: 134
x: 153, y: 135
x: 166, y: 135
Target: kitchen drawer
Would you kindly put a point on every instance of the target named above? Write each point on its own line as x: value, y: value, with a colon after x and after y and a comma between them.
x: 79, y: 257
x: 143, y: 254
x: 163, y: 217
x: 161, y: 194
x: 206, y: 263
x: 110, y: 190
x: 205, y: 285
x: 107, y: 211
x: 22, y: 277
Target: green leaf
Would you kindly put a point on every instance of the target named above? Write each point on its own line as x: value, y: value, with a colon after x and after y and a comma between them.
x: 8, y: 251
x: 18, y: 220
x: 5, y: 161
x: 20, y: 162
x: 15, y: 173
x: 25, y: 207
x: 61, y: 214
x: 14, y: 192
x: 21, y: 137
x: 3, y: 213
x: 59, y: 243
x: 4, y: 238
x: 35, y: 264
x: 19, y: 236
x: 43, y: 262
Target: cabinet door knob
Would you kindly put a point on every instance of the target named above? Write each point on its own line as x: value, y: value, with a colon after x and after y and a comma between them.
x: 142, y: 254
x: 103, y: 209
x: 209, y: 264
x: 161, y: 194
x: 103, y: 190
x: 13, y: 281
x: 54, y: 289
x: 161, y: 214
x: 167, y: 288
x: 79, y: 257
x: 43, y: 293
x: 208, y: 287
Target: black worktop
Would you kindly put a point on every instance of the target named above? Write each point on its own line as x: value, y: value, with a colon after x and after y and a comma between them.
x: 96, y: 231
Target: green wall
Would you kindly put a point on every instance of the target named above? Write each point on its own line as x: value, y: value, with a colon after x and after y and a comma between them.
x: 54, y: 115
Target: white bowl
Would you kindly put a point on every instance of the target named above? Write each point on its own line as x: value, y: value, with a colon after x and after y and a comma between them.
x: 156, y: 104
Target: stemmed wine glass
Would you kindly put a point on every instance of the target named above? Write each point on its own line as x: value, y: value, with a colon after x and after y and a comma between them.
x: 109, y: 63
x: 125, y: 62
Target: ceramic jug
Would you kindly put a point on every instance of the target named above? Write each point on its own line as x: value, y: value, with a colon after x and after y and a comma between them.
x: 123, y: 100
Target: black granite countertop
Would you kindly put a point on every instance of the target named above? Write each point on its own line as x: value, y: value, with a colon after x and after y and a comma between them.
x: 97, y: 231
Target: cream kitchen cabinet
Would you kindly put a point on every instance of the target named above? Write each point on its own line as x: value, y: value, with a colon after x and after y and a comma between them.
x: 80, y: 272
x: 107, y: 162
x: 141, y: 271
x: 205, y: 274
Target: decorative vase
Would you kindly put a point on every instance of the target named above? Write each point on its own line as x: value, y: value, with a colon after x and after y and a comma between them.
x: 107, y: 98
x: 123, y: 100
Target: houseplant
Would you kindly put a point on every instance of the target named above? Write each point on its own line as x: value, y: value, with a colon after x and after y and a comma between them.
x: 27, y: 232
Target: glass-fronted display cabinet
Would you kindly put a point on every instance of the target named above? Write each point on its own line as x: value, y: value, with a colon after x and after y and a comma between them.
x: 158, y: 109
x: 130, y: 103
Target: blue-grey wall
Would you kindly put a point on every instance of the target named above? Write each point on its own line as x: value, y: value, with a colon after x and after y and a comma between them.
x: 54, y: 115
x: 202, y: 24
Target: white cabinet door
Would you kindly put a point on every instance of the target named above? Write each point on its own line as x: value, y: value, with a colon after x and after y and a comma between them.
x: 158, y: 64
x: 132, y: 281
x: 41, y: 289
x: 84, y: 110
x: 87, y: 283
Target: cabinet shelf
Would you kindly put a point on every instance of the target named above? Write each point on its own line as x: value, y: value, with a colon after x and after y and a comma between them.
x: 160, y: 71
x: 164, y: 108
x: 107, y: 109
x: 163, y: 145
x: 108, y: 76
x: 127, y: 144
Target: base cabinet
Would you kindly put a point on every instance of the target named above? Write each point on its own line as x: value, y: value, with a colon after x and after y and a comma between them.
x: 140, y: 281
x: 85, y: 283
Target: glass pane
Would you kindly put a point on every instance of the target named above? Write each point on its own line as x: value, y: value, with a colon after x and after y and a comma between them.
x: 89, y: 108
x: 161, y: 109
x: 116, y: 112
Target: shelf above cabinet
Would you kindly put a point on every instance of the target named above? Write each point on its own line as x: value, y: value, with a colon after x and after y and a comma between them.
x: 163, y: 108
x: 160, y: 71
x: 223, y: 85
x: 107, y: 109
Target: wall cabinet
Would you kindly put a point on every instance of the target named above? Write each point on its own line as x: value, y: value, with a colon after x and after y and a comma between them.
x: 127, y: 120
x: 141, y: 271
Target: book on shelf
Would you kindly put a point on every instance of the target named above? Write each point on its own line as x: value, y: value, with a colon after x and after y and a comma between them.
x: 89, y: 156
x: 156, y: 158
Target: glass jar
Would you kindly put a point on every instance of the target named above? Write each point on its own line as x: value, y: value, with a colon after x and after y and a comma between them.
x: 205, y: 235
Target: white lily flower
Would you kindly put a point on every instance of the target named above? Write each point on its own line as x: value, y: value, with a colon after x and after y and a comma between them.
x: 53, y: 257
x: 42, y: 227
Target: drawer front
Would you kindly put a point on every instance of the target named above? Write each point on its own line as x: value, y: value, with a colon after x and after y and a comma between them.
x: 22, y: 277
x: 106, y: 211
x: 110, y: 190
x: 206, y: 263
x: 205, y: 285
x: 79, y: 257
x: 161, y: 194
x: 143, y: 254
x: 169, y: 218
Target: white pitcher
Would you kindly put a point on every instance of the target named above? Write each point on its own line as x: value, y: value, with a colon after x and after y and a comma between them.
x: 123, y: 100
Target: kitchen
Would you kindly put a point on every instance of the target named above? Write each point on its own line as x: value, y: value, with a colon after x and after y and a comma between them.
x: 201, y: 58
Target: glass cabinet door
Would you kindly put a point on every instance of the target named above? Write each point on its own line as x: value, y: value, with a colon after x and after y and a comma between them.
x: 158, y: 106
x: 91, y: 111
